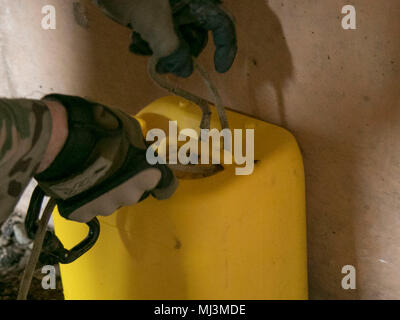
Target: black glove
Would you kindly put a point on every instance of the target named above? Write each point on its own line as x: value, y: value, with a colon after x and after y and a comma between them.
x: 192, y: 19
x: 103, y: 163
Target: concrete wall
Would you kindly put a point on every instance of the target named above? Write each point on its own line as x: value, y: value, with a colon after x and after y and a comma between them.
x: 336, y: 90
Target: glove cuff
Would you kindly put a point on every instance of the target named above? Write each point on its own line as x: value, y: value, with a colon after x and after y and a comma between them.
x: 83, y: 134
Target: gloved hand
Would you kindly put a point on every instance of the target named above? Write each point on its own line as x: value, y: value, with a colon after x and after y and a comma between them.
x: 102, y: 165
x: 175, y: 36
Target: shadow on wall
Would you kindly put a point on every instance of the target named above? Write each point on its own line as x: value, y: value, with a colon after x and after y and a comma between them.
x: 332, y: 209
x: 263, y: 64
x: 263, y: 48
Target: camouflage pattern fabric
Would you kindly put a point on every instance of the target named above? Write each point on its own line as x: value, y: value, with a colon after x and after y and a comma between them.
x: 25, y: 129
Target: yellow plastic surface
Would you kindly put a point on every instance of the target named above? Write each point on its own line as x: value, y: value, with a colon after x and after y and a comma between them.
x: 222, y: 237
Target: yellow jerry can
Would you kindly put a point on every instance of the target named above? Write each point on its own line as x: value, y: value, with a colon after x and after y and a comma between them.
x: 226, y: 236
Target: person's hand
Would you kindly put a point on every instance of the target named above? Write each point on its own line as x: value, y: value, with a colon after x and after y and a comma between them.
x: 102, y: 165
x: 176, y: 30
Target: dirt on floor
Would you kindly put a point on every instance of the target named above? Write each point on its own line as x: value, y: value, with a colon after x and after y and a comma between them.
x: 9, y: 290
x: 15, y: 249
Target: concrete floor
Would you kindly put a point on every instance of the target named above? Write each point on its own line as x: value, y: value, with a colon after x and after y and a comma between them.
x: 336, y: 90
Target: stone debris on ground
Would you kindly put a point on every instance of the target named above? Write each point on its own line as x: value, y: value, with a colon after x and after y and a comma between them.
x: 15, y: 249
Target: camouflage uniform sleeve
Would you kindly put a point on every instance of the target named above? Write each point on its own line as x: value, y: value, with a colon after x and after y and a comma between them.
x: 25, y: 129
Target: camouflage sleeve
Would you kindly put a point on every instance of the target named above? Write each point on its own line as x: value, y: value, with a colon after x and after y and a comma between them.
x: 25, y: 129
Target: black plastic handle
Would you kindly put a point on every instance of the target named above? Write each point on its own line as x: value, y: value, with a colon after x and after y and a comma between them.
x: 53, y: 249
